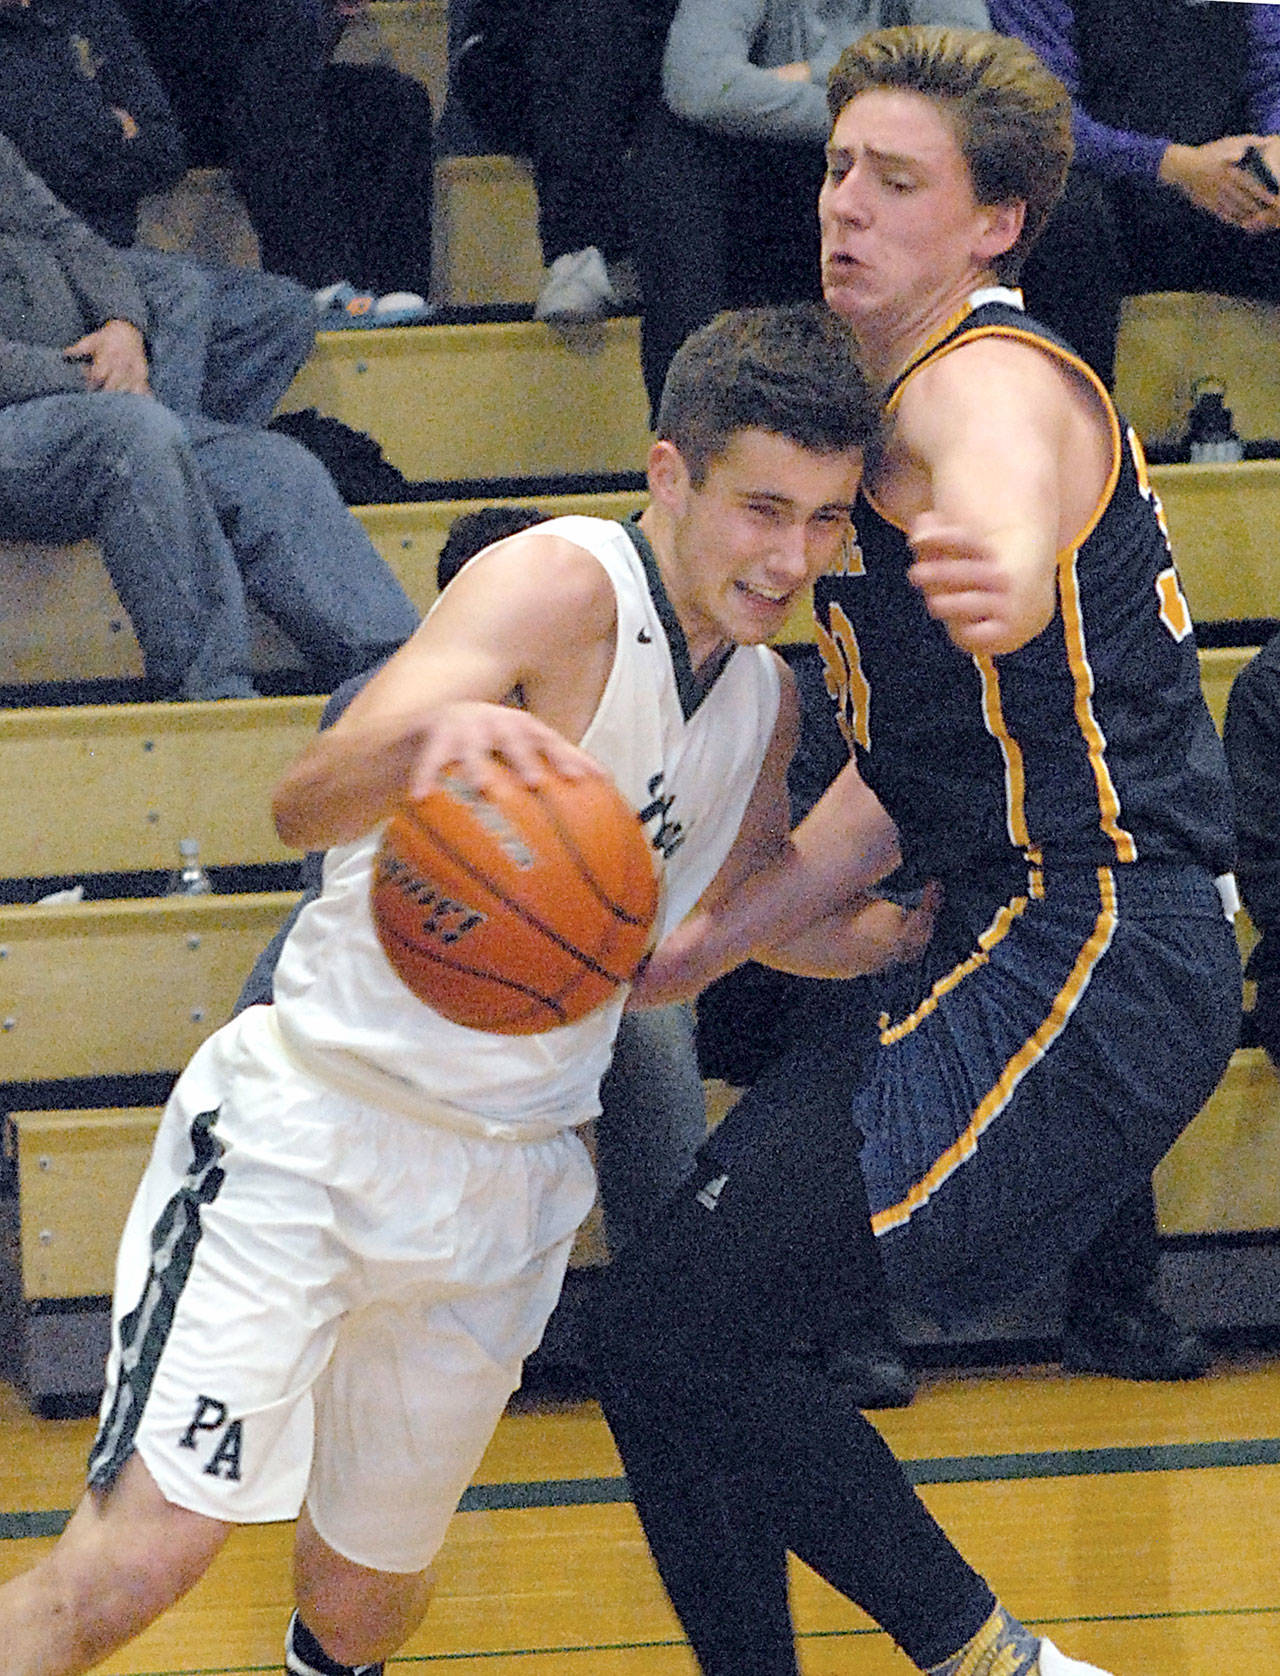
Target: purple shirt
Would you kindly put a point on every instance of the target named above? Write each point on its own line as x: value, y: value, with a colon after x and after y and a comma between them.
x: 1047, y: 26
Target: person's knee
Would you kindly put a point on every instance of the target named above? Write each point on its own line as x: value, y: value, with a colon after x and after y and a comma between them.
x: 138, y: 428
x: 299, y: 479
x: 126, y: 1554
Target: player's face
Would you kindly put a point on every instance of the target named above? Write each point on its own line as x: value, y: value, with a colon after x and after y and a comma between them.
x: 768, y: 518
x: 904, y: 240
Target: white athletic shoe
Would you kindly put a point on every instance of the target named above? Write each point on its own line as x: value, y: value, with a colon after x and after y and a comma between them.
x: 577, y: 287
x: 1053, y: 1663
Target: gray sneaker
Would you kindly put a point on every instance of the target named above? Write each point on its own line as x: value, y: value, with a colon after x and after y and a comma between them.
x: 576, y: 287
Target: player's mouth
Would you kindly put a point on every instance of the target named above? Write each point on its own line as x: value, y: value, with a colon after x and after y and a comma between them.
x: 840, y: 265
x: 772, y: 598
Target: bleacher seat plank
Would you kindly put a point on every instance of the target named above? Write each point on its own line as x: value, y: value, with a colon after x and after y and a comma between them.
x: 62, y: 620
x: 68, y: 624
x: 498, y: 399
x: 77, y: 1171
x: 117, y: 988
x: 1223, y: 1173
x: 409, y: 535
x: 1170, y: 339
x: 1223, y: 527
x: 1219, y: 666
x: 485, y: 243
x: 112, y: 788
x: 408, y: 35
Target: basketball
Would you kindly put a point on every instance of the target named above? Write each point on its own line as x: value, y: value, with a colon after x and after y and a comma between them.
x: 515, y: 908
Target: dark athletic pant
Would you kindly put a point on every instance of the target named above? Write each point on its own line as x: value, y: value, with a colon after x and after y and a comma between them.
x: 737, y: 1449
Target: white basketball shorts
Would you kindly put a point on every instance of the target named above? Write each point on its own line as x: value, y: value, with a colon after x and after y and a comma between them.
x: 320, y: 1300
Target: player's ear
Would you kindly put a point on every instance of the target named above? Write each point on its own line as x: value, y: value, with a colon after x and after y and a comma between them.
x: 668, y: 475
x: 1002, y: 230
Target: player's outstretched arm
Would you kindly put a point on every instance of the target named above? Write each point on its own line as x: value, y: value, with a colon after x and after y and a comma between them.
x: 509, y: 665
x: 985, y: 437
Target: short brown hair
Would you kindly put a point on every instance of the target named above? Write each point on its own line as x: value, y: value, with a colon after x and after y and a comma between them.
x: 1012, y: 116
x: 791, y: 370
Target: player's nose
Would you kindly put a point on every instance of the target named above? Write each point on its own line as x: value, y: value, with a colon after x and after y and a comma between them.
x: 789, y: 563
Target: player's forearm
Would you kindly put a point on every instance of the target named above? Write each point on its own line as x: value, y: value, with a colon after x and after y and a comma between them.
x: 860, y: 939
x: 342, y: 786
x: 844, y: 845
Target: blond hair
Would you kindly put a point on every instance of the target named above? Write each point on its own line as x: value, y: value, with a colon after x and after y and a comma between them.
x: 1011, y: 115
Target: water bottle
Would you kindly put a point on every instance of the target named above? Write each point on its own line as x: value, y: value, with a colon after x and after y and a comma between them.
x: 1211, y: 433
x: 189, y: 877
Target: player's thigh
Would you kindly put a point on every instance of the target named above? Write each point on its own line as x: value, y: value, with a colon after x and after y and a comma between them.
x: 125, y: 1555
x: 770, y: 1223
x: 1007, y: 1122
x: 407, y: 1406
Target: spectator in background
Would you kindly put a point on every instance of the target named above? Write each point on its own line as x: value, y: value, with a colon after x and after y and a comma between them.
x: 563, y: 83
x: 1167, y: 96
x: 334, y: 161
x: 1252, y: 738
x: 194, y: 515
x: 728, y: 168
x: 80, y: 102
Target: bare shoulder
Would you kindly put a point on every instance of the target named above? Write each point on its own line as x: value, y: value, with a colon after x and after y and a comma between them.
x: 1006, y: 419
x: 536, y: 579
x: 993, y: 379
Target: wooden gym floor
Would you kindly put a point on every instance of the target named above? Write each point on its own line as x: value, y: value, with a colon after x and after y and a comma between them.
x: 1138, y: 1525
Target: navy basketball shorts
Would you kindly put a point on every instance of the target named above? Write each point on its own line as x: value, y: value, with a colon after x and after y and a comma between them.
x: 1028, y: 1075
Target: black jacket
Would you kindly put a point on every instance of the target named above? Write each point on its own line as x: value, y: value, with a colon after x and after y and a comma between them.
x: 66, y: 66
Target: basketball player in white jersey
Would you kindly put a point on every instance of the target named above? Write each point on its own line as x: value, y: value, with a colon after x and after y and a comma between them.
x: 357, y: 1215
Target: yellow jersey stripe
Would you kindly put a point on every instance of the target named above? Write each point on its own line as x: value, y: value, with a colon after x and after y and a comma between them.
x: 1031, y: 1051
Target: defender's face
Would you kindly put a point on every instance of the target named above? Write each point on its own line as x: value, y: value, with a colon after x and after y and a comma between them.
x: 903, y: 237
x: 768, y: 519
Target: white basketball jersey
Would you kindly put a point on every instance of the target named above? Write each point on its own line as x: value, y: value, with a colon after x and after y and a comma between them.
x: 687, y: 763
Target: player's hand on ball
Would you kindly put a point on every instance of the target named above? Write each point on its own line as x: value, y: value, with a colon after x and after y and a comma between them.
x: 480, y: 739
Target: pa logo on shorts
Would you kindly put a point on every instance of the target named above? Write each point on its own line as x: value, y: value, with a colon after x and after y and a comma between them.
x: 209, y: 1421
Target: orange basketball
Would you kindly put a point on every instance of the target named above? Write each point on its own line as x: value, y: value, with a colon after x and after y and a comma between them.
x: 515, y: 909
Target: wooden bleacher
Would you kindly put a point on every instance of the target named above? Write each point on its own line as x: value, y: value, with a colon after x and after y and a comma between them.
x: 491, y: 400
x: 62, y: 618
x: 109, y: 788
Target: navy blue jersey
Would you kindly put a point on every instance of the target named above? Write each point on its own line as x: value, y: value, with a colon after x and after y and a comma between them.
x: 1088, y: 746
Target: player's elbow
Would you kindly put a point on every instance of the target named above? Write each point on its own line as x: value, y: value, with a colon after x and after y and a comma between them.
x: 290, y: 818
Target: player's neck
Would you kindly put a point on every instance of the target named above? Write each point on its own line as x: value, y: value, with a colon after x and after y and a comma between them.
x: 704, y: 639
x: 889, y: 345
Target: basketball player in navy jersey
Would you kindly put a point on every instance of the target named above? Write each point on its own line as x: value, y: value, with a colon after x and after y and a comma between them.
x: 1013, y: 668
